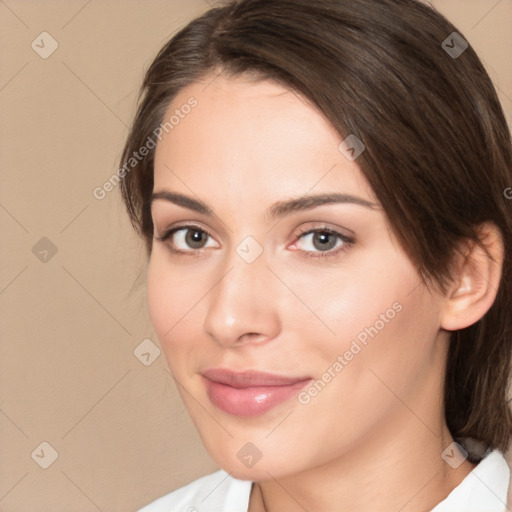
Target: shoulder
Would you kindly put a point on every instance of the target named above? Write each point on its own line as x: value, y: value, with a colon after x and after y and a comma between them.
x: 485, y: 489
x: 214, y: 492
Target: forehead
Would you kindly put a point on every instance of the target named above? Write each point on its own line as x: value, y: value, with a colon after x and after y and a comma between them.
x: 252, y: 135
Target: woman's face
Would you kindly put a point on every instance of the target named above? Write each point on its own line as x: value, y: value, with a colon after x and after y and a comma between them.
x: 319, y: 299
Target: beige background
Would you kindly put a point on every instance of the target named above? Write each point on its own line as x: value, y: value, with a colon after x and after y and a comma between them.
x: 68, y: 373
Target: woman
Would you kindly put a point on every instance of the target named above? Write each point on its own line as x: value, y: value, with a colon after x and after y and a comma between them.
x: 321, y: 190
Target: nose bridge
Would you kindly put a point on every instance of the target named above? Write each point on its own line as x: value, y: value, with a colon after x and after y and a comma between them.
x: 239, y: 302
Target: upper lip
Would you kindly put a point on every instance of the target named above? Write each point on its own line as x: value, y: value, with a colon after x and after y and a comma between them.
x: 249, y: 378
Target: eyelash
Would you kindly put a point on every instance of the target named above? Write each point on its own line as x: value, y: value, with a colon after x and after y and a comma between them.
x: 347, y: 241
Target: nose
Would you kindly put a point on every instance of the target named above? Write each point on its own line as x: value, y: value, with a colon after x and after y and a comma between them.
x: 243, y: 306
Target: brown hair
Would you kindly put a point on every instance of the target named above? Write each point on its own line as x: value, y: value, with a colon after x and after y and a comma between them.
x: 438, y: 150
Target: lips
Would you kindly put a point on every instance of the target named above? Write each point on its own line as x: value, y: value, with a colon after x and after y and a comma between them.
x: 249, y: 393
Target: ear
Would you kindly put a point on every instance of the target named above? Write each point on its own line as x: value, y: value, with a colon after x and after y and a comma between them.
x: 477, y: 280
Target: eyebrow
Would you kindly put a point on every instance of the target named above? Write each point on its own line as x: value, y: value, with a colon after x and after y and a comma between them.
x: 277, y: 210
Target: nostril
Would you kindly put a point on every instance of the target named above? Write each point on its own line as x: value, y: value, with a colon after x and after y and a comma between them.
x: 251, y: 336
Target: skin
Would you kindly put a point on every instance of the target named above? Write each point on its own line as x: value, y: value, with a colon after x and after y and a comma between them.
x: 373, y: 437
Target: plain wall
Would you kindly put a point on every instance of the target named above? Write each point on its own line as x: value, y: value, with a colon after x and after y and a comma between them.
x: 71, y: 320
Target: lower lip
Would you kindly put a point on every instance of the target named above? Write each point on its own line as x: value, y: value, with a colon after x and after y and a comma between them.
x: 250, y: 401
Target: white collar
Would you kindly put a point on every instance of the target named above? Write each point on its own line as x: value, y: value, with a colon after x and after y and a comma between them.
x: 485, y: 489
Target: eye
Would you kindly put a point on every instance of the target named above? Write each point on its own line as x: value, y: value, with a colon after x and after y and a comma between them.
x: 323, y: 242
x: 319, y: 242
x: 186, y: 239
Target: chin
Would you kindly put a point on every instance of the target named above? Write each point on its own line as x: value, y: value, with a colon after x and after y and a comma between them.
x: 263, y: 465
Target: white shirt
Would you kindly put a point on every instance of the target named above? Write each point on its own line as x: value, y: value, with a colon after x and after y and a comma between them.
x: 483, y: 490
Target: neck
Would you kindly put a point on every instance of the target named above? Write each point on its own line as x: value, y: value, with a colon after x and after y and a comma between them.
x: 384, y: 475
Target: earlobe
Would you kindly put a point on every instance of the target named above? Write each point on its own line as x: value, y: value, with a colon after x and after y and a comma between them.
x: 474, y: 291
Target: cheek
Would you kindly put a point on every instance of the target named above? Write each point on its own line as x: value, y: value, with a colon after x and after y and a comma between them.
x: 177, y: 303
x: 381, y: 322
x: 170, y: 296
x: 386, y: 339
x: 158, y: 297
x: 353, y: 301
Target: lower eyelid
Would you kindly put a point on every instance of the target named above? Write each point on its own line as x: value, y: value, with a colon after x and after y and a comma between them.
x: 331, y: 253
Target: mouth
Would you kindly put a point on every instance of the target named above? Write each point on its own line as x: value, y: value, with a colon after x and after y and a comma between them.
x: 249, y: 393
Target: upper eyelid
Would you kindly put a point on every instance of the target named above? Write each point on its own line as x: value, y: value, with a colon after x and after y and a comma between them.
x: 184, y: 225
x: 324, y: 226
x: 173, y: 229
x: 321, y: 225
